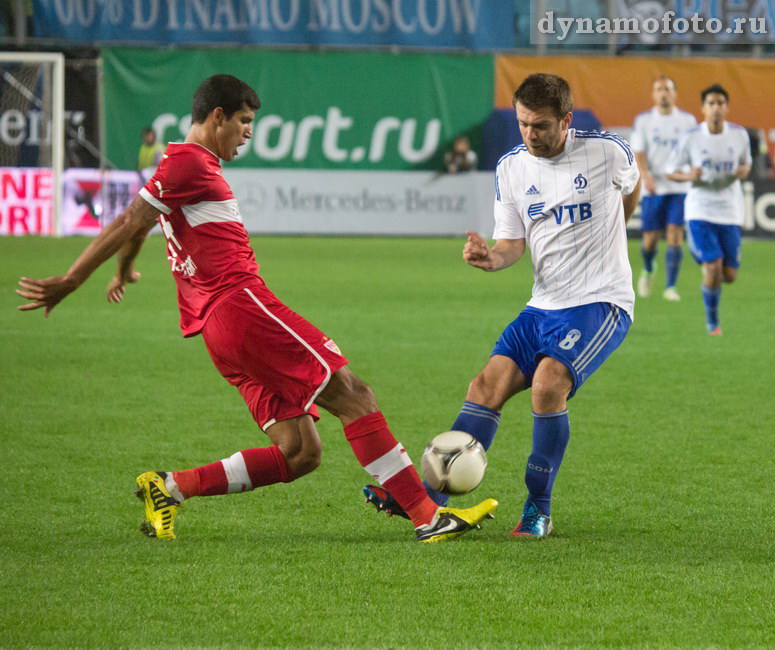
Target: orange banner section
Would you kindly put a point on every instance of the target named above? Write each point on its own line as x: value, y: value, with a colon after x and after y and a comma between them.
x: 617, y: 88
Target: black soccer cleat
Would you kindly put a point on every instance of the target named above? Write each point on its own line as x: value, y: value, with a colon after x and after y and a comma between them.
x: 384, y: 501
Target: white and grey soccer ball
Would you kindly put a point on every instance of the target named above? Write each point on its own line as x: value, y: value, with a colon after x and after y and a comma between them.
x: 454, y: 463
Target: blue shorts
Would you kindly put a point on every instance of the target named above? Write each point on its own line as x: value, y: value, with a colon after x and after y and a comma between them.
x: 659, y: 210
x: 711, y: 241
x: 580, y: 337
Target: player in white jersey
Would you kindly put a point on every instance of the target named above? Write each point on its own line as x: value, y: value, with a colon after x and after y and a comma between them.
x: 718, y: 154
x: 567, y: 194
x: 654, y: 136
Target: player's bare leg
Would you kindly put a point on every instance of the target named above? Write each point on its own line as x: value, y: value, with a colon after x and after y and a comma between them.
x: 728, y: 274
x: 479, y: 416
x: 298, y: 442
x: 674, y: 236
x: 713, y: 275
x: 648, y: 249
x: 552, y: 383
x: 353, y: 402
x: 295, y: 452
x: 496, y: 383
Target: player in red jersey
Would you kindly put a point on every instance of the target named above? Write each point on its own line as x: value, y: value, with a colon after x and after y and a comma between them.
x: 282, y: 365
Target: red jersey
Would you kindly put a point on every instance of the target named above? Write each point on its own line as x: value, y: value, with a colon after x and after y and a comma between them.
x: 207, y: 245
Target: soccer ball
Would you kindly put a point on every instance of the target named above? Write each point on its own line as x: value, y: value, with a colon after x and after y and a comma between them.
x: 454, y: 463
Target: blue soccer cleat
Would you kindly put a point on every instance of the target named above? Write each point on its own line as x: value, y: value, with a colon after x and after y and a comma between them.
x: 383, y: 501
x: 533, y: 524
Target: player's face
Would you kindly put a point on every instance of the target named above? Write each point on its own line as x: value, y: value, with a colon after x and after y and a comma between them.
x: 542, y: 133
x: 715, y: 108
x: 234, y: 131
x: 663, y: 93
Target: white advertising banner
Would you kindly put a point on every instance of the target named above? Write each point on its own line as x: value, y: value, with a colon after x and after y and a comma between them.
x: 363, y: 202
x: 92, y: 198
x: 300, y: 202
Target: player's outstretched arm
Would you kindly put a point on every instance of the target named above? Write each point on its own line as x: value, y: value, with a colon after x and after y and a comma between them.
x: 693, y: 174
x: 49, y: 292
x: 742, y: 171
x: 125, y: 272
x: 479, y: 254
x: 631, y: 202
x: 645, y: 172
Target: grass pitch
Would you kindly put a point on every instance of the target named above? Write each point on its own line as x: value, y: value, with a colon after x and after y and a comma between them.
x: 663, y: 509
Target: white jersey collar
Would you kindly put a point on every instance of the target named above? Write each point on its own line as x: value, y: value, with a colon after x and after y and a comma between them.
x: 706, y: 130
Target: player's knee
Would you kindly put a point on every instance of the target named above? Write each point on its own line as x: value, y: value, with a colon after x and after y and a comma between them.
x: 484, y: 390
x: 304, y: 463
x: 551, y: 385
x: 347, y: 396
x: 362, y: 396
x: 729, y: 275
x: 547, y: 394
x: 303, y: 459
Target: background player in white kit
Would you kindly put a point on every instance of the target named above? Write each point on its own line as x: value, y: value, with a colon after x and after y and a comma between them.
x: 655, y: 134
x: 719, y: 154
x: 567, y: 194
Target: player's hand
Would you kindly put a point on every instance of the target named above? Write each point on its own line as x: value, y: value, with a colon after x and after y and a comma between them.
x: 115, y: 291
x: 47, y: 293
x: 695, y: 173
x: 650, y: 184
x: 476, y: 252
x: 741, y: 173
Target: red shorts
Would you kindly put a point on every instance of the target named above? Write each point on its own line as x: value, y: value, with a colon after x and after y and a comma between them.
x: 279, y: 362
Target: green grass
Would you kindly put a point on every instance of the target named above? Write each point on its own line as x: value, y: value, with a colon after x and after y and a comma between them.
x: 663, y: 510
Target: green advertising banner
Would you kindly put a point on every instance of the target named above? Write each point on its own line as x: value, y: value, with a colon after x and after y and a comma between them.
x: 332, y: 110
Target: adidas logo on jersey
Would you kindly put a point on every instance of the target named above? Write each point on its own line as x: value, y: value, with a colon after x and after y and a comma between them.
x: 532, y: 191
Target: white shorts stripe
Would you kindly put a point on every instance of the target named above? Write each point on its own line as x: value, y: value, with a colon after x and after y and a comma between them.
x: 305, y: 344
x: 388, y: 465
x: 600, y: 345
x: 590, y: 346
x: 236, y: 473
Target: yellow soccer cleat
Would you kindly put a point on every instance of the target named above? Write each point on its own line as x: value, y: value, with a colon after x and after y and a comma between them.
x: 453, y: 522
x: 160, y: 506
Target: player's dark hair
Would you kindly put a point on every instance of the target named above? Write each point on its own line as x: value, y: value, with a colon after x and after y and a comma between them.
x: 225, y: 91
x: 543, y: 90
x: 715, y: 88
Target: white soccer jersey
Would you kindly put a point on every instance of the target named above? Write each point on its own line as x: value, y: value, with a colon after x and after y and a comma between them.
x: 569, y: 209
x: 657, y: 135
x: 718, y: 196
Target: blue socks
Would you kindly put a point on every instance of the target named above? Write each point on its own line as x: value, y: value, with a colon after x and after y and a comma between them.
x: 711, y: 298
x: 648, y: 259
x: 481, y: 423
x: 551, y: 433
x: 673, y: 264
